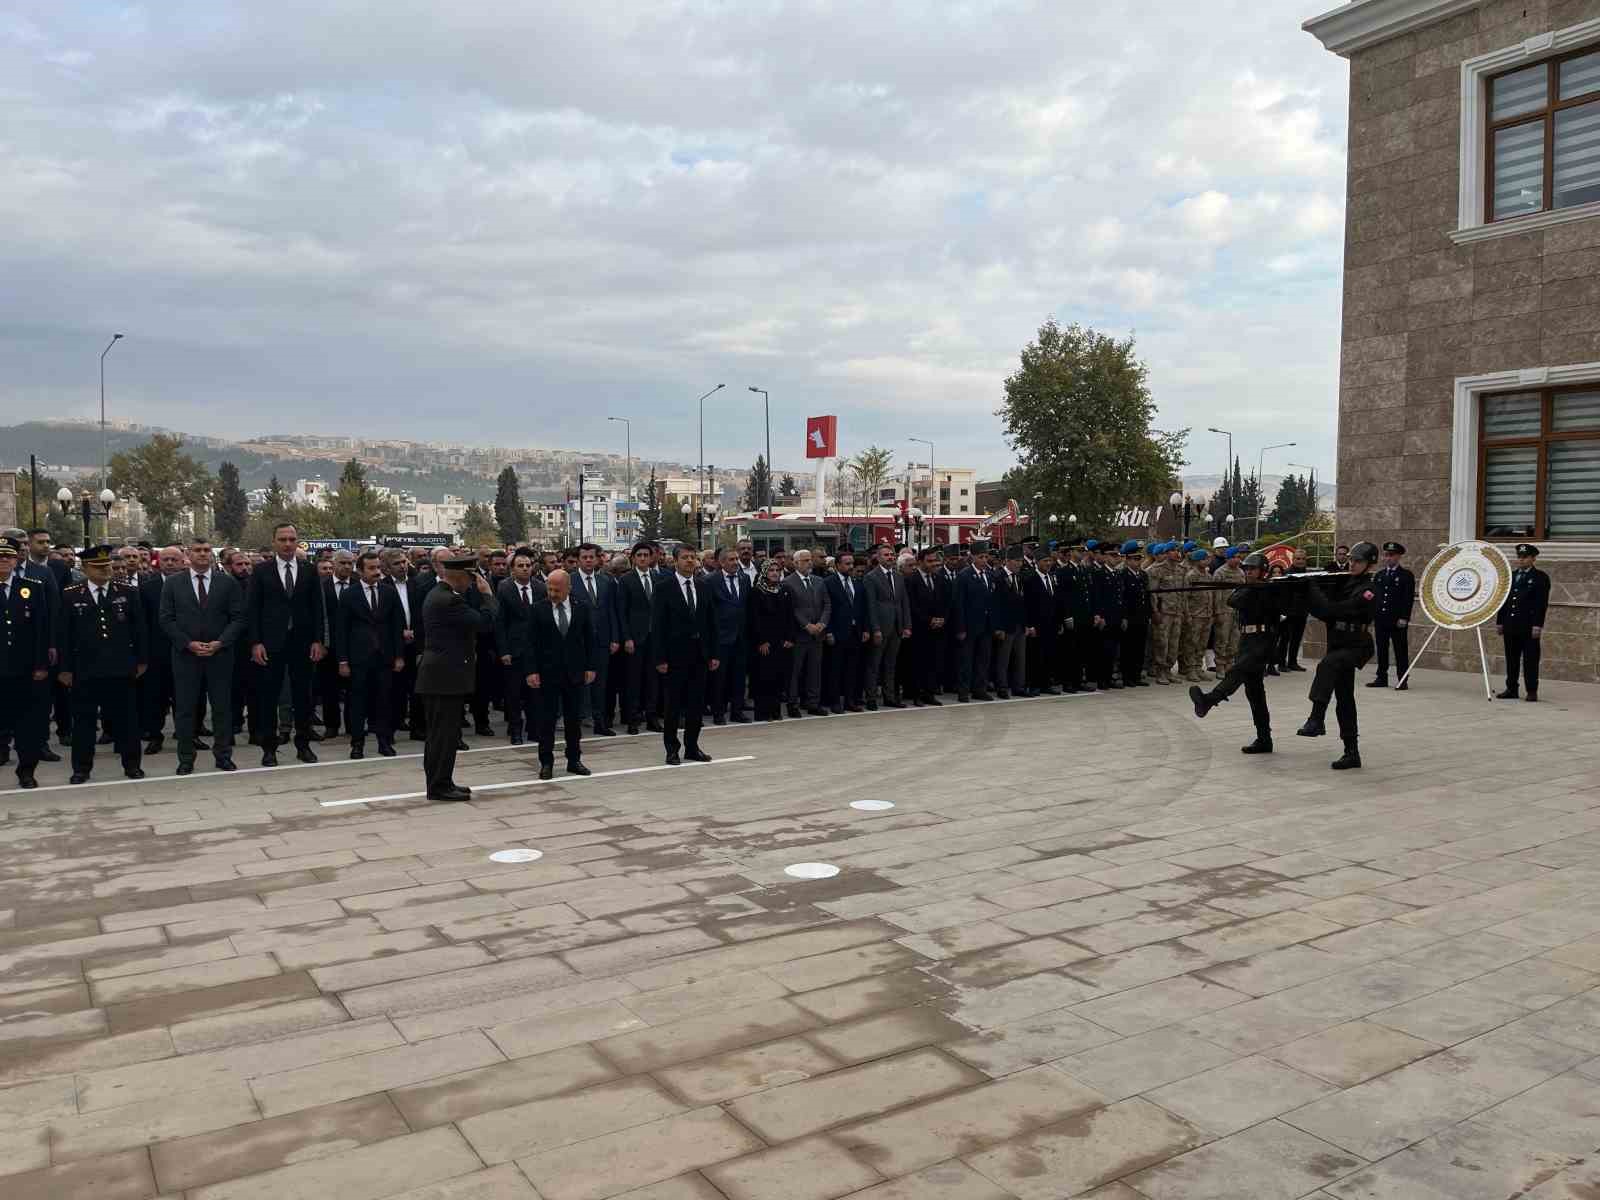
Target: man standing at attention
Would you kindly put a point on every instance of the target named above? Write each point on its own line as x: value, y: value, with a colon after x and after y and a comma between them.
x: 284, y: 621
x: 1521, y: 621
x: 459, y: 608
x: 683, y: 646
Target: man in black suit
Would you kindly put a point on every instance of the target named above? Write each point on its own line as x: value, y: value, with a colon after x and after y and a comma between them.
x: 1044, y: 618
x: 1396, y: 589
x: 458, y: 608
x: 636, y: 615
x: 25, y: 622
x: 560, y: 662
x: 1520, y: 621
x: 409, y: 595
x: 333, y: 688
x: 974, y: 612
x: 684, y: 647
x: 598, y: 590
x: 155, y: 688
x: 930, y: 615
x: 846, y: 637
x: 284, y: 622
x: 729, y: 589
x: 368, y: 638
x: 34, y: 563
x: 201, y: 621
x: 513, y: 637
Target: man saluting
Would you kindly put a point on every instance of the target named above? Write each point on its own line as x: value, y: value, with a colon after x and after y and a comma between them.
x: 457, y: 610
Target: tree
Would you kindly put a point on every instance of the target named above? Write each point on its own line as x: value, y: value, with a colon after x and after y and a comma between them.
x: 1249, y: 503
x: 65, y: 527
x: 1078, y: 412
x: 674, y: 522
x: 649, y: 510
x: 1296, y: 504
x: 788, y: 490
x: 756, y: 488
x: 308, y: 520
x: 228, y: 502
x: 478, y: 527
x: 869, y: 471
x: 356, y: 509
x: 1225, y: 500
x: 163, y: 479
x: 509, y: 513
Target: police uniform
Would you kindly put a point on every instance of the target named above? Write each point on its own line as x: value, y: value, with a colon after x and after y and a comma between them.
x: 1105, y: 599
x: 104, y: 649
x: 25, y: 615
x: 1136, y: 613
x: 1347, y: 607
x: 1258, y: 611
x: 1396, y: 591
x: 1521, y: 621
x: 1077, y: 624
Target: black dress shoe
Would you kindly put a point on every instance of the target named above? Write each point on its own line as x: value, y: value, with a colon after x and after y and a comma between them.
x: 269, y: 758
x: 633, y: 731
x: 386, y: 749
x: 49, y: 755
x: 313, y: 736
x: 1312, y: 728
x: 653, y: 726
x: 1403, y: 687
x: 872, y: 706
x: 25, y: 779
x: 719, y: 720
x: 305, y: 753
x: 854, y: 708
x: 739, y: 719
x: 184, y: 769
x: 518, y: 740
x: 1532, y: 698
x: 448, y: 794
x: 484, y: 730
x: 226, y: 764
x: 461, y: 744
x: 153, y: 746
x: 133, y: 772
x: 1508, y: 694
x: 546, y: 771
x: 817, y: 711
x: 201, y: 744
x: 358, y: 752
x: 673, y: 760
x: 5, y: 756
x: 697, y: 755
x: 1380, y: 681
x: 203, y: 731
x: 578, y: 768
x: 1262, y: 745
x: 794, y: 710
x: 79, y: 777
x: 894, y: 703
x: 608, y: 731
x: 837, y: 710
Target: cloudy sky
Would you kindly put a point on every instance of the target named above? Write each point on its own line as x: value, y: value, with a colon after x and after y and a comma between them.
x: 503, y: 222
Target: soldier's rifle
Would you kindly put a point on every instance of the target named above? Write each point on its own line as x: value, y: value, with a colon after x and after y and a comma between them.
x: 1302, y: 578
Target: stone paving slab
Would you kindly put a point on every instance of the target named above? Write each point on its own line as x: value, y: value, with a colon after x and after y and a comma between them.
x: 1158, y: 972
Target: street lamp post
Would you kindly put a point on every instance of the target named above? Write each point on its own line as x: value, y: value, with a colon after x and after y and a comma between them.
x: 1227, y: 469
x: 86, y: 509
x: 1261, y: 488
x: 115, y: 338
x: 766, y: 406
x: 933, y: 476
x: 702, y: 405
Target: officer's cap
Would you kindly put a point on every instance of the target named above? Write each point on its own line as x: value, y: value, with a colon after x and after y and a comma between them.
x: 1197, y: 556
x: 1524, y: 550
x: 1364, y: 552
x: 98, y: 556
x: 1393, y: 548
x: 1229, y: 553
x: 467, y: 562
x: 10, y: 547
x: 953, y: 548
x: 1130, y: 547
x: 978, y: 546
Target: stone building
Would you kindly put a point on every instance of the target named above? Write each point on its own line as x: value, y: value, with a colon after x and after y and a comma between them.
x: 1469, y: 391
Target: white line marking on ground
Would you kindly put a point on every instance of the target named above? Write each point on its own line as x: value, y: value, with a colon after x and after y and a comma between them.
x: 522, y: 783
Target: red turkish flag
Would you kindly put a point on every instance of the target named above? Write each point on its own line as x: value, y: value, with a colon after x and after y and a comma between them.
x: 822, y: 437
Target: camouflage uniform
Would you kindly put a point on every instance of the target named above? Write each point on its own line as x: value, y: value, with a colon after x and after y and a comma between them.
x: 1197, y: 607
x: 1225, y: 620
x: 1167, y: 622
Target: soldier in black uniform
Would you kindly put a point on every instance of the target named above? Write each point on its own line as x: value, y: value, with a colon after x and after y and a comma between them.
x: 1105, y: 600
x: 1077, y: 624
x: 1346, y: 606
x: 25, y: 616
x: 1396, y: 589
x: 1136, y: 614
x: 1259, y: 610
x: 105, y: 647
x: 459, y: 608
x: 1520, y: 621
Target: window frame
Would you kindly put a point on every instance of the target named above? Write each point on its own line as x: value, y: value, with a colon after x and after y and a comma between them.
x: 1541, y: 443
x: 1546, y: 115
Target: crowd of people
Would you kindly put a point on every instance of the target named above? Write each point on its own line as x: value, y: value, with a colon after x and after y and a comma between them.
x: 299, y: 646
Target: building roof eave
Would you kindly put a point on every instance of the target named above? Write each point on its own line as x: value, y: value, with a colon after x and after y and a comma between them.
x: 1362, y: 23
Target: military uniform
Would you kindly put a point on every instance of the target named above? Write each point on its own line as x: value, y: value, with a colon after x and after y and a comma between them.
x: 1197, y: 609
x: 1395, y: 589
x: 1105, y: 601
x: 1258, y: 612
x: 1136, y: 613
x: 1521, y: 620
x: 1166, y: 621
x: 1224, y: 616
x: 1077, y: 626
x: 105, y: 647
x: 447, y: 674
x: 25, y: 616
x: 1347, y: 607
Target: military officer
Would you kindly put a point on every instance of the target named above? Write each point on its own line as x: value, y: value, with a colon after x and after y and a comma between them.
x: 105, y: 649
x: 1225, y: 617
x: 1197, y: 606
x: 457, y: 610
x: 1166, y: 622
x: 1136, y: 614
x: 1520, y: 621
x: 25, y: 614
x: 1258, y: 612
x: 1396, y: 589
x: 1346, y: 606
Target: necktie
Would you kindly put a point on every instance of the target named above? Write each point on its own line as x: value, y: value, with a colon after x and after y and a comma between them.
x: 850, y: 589
x: 372, y: 598
x: 200, y: 584
x: 588, y: 582
x: 688, y: 588
x: 733, y: 590
x: 5, y: 594
x: 561, y: 619
x: 288, y: 578
x: 525, y: 599
x: 648, y: 586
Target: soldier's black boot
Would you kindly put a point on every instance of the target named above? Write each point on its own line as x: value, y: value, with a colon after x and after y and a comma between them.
x: 1262, y: 744
x: 1314, y: 726
x: 1351, y: 759
x: 1203, y: 703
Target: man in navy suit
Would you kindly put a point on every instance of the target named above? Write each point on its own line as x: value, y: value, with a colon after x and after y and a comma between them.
x: 846, y: 637
x: 561, y: 661
x: 370, y: 654
x: 729, y: 589
x: 684, y: 650
x: 598, y: 590
x: 974, y: 611
x: 513, y: 636
x: 284, y: 622
x: 636, y: 615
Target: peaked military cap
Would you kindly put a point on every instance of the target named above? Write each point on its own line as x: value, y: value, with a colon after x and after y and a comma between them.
x: 1524, y: 550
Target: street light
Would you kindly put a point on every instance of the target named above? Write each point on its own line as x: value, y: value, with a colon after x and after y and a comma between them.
x: 627, y: 428
x: 1261, y: 491
x: 702, y: 403
x: 86, y: 508
x: 766, y: 405
x: 1227, y: 469
x: 115, y: 338
x: 933, y: 478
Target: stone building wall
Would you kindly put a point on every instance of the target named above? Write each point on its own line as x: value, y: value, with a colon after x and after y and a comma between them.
x: 1420, y: 311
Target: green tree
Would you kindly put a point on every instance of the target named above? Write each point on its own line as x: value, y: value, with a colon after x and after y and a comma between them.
x: 1295, y: 505
x: 65, y: 527
x: 308, y: 520
x: 228, y: 502
x: 788, y: 490
x: 757, y: 486
x: 356, y: 509
x: 1078, y: 412
x: 478, y: 527
x: 509, y: 513
x: 160, y: 476
x: 649, y: 510
x: 675, y: 523
x: 1225, y: 500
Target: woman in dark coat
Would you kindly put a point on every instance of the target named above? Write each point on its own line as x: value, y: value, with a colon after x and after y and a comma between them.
x: 770, y: 624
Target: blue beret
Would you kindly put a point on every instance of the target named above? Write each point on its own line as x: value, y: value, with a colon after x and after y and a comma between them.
x: 1158, y: 548
x: 1188, y: 545
x: 1243, y: 547
x: 1197, y: 555
x: 1131, y: 546
x: 1090, y: 544
x: 1230, y: 552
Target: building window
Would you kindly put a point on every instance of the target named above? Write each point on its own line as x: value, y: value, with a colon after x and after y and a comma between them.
x: 963, y: 508
x: 1539, y: 464
x: 1543, y: 131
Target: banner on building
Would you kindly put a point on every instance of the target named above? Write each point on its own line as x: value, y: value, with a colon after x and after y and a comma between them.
x: 822, y: 437
x: 312, y: 545
x: 415, y: 539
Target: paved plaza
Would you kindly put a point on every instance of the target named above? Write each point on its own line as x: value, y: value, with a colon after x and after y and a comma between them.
x: 1091, y: 951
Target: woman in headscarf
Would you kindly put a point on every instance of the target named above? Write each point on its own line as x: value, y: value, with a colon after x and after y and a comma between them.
x: 770, y: 617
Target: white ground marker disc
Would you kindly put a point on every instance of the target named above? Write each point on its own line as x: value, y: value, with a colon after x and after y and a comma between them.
x: 812, y: 870
x: 872, y: 805
x: 519, y: 855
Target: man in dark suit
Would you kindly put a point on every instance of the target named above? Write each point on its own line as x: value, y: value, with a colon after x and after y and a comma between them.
x: 560, y: 663
x: 201, y: 621
x: 1044, y: 618
x: 458, y: 608
x: 52, y: 575
x: 975, y: 631
x: 636, y: 616
x: 729, y: 590
x: 155, y: 688
x: 284, y: 620
x: 683, y: 646
x: 930, y: 615
x: 1077, y: 621
x: 25, y: 622
x: 846, y: 638
x: 889, y: 621
x: 1008, y: 667
x: 333, y: 688
x: 368, y: 638
x: 952, y: 561
x: 1520, y: 621
x: 598, y: 590
x: 812, y: 607
x: 409, y: 595
x: 1396, y: 589
x: 513, y: 639
x: 104, y: 649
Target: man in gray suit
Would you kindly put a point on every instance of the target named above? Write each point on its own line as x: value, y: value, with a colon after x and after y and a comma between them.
x: 202, y: 618
x: 889, y: 619
x: 812, y: 607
